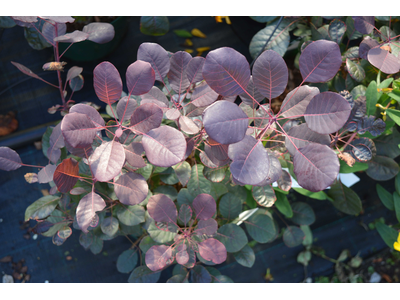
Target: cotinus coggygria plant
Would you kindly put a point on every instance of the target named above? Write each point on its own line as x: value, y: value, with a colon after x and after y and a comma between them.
x: 169, y: 167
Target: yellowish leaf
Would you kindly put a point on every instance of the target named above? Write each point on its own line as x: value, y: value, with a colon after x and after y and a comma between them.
x: 198, y: 33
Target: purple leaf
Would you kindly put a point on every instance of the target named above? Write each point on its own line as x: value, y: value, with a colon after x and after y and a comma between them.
x: 275, y: 171
x: 177, y: 76
x: 49, y: 31
x: 185, y: 214
x: 320, y: 61
x: 367, y: 44
x: 213, y: 250
x: 250, y: 161
x: 74, y: 37
x: 194, y: 69
x: 26, y: 19
x: 99, y: 33
x: 81, y: 152
x: 78, y: 130
x: 254, y: 92
x: 133, y: 155
x: 364, y: 25
x: 87, y: 208
x: 362, y: 149
x: 270, y: 74
x: 189, y: 147
x: 46, y: 174
x: 66, y: 175
x: 207, y: 157
x: 140, y: 77
x: 90, y: 112
x: 300, y: 136
x: 316, y: 167
x: 384, y: 60
x: 107, y: 82
x: 56, y: 142
x: 131, y: 188
x: 182, y: 256
x: 125, y: 108
x: 162, y: 209
x: 164, y: 146
x: 73, y: 72
x: 296, y: 102
x: 204, y: 206
x: 157, y: 257
x: 285, y: 181
x: 26, y: 71
x: 172, y: 114
x: 218, y: 150
x: 327, y: 112
x: 107, y: 160
x: 187, y: 125
x: 203, y: 95
x: 226, y: 71
x: 9, y: 159
x: 372, y: 125
x: 156, y: 96
x: 208, y: 227
x: 60, y: 19
x: 157, y: 57
x: 227, y: 128
x: 146, y: 117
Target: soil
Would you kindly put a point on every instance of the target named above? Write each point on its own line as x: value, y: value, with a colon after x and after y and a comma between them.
x: 80, y: 22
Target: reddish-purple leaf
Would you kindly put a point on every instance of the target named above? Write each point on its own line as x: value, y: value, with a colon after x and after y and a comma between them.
x: 182, y: 256
x: 157, y: 57
x: 194, y: 70
x: 226, y: 71
x: 208, y: 158
x: 218, y: 150
x: 9, y: 159
x: 172, y: 114
x: 177, y: 76
x: 157, y: 257
x: 227, y: 128
x: 80, y: 152
x: 367, y: 44
x: 254, y: 93
x: 26, y: 19
x: 187, y: 125
x: 133, y: 155
x: 60, y: 19
x: 204, y: 206
x: 78, y: 130
x: 320, y: 61
x: 156, y: 96
x: 107, y: 160
x: 25, y: 70
x: 162, y: 209
x: 90, y: 112
x: 49, y: 31
x: 99, y: 32
x: 131, y: 188
x: 164, y: 146
x: 125, y: 108
x: 107, y: 82
x: 295, y: 103
x: 213, y: 250
x: 140, y: 77
x: 250, y: 161
x: 146, y: 117
x: 66, y: 175
x: 300, y: 136
x: 327, y: 112
x: 384, y: 60
x: 270, y: 74
x: 73, y: 72
x: 74, y: 37
x: 316, y: 167
x: 208, y: 227
x: 364, y: 25
x: 189, y: 147
x: 46, y: 174
x: 87, y: 208
x: 203, y: 95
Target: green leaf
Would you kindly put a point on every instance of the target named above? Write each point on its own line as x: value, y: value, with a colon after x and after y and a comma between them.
x: 304, y: 257
x: 154, y: 26
x: 315, y: 195
x: 303, y: 214
x: 110, y: 226
x: 200, y: 275
x: 396, y: 201
x: 145, y: 171
x: 351, y: 31
x: 34, y: 38
x: 130, y: 215
x: 112, y: 110
x: 382, y: 168
x: 46, y: 140
x: 384, y: 84
x: 230, y: 206
x: 215, y: 174
x: 283, y: 205
x: 198, y: 184
x: 232, y: 236
x: 218, y: 189
x: 143, y: 274
x: 264, y: 195
x: 355, y: 70
x: 41, y: 208
x: 261, y: 228
x: 385, y: 196
x: 97, y: 245
x: 358, y: 166
x: 223, y: 279
x: 245, y: 256
x: 394, y: 114
x: 388, y: 234
x: 167, y: 190
x: 263, y: 19
x: 308, y: 239
x: 293, y: 236
x: 345, y: 199
x: 127, y: 261
x: 160, y: 236
x: 180, y: 278
x: 239, y: 191
x: 337, y: 29
x: 6, y: 22
x: 183, y: 33
x: 395, y: 94
x: 184, y: 197
x: 358, y: 91
x: 169, y: 177
x: 372, y: 98
x: 146, y: 243
x: 182, y: 171
x: 387, y: 145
